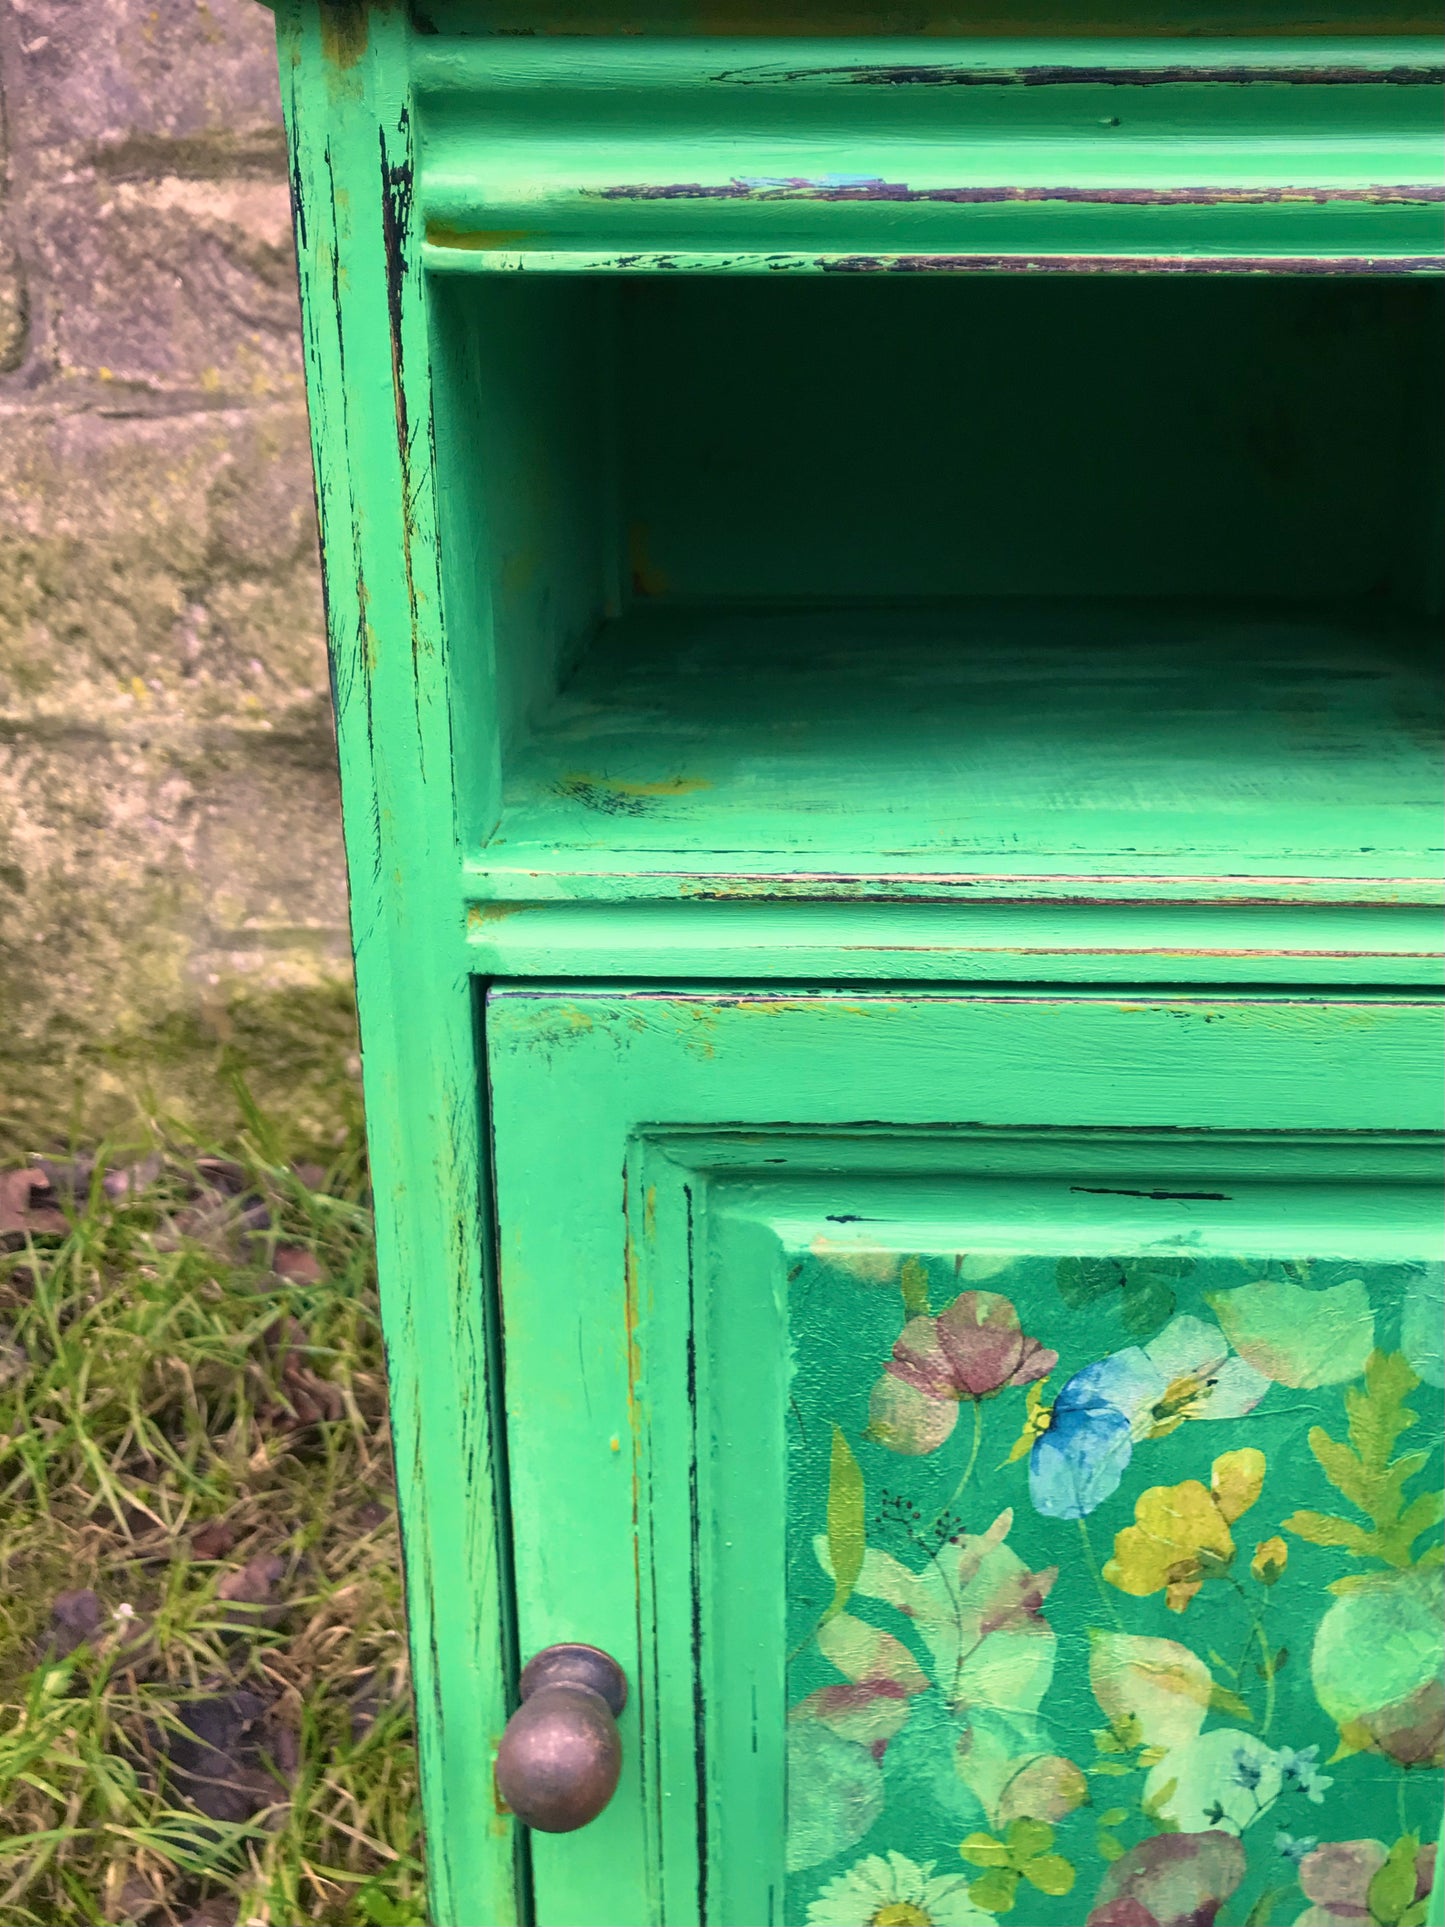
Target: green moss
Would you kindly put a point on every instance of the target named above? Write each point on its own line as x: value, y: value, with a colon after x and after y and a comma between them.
x: 295, y: 1049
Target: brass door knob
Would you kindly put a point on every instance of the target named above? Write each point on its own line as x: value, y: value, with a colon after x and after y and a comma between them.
x: 560, y: 1756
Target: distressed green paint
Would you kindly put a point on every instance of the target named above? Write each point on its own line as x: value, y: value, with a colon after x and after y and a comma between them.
x: 963, y: 630
x: 732, y: 928
x: 851, y: 155
x: 365, y: 332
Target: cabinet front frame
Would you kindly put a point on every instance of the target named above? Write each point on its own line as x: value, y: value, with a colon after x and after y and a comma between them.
x: 629, y: 1125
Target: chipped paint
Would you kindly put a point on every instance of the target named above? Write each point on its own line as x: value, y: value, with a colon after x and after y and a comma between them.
x: 1263, y: 263
x: 705, y: 260
x: 941, y: 74
x: 851, y: 189
x: 615, y: 797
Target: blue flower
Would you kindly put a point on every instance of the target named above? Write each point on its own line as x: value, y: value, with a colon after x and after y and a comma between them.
x: 1247, y: 1770
x: 1293, y: 1849
x: 1078, y: 1452
x: 1079, y: 1460
x: 1300, y: 1769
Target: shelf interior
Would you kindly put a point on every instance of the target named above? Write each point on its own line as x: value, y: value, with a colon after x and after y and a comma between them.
x: 1122, y: 587
x: 994, y: 736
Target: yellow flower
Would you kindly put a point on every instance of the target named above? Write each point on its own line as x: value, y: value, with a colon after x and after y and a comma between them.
x: 1181, y: 1532
x: 1269, y: 1561
x: 1037, y: 1420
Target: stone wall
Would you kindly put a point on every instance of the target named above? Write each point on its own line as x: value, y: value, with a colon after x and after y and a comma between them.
x: 172, y: 894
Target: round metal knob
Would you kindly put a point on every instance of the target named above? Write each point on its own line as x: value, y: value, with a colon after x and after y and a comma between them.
x: 560, y: 1756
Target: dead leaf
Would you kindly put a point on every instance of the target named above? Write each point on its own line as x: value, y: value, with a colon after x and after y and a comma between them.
x: 223, y: 1174
x: 253, y: 1585
x: 298, y: 1264
x: 282, y: 1744
x: 309, y: 1397
x: 213, y: 1540
x: 136, y: 1899
x: 218, y: 1911
x: 13, y: 1357
x: 27, y: 1208
x: 127, y: 1179
x: 75, y: 1617
x: 216, y: 1756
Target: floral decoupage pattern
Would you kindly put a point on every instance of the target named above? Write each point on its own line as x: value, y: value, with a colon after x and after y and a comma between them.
x: 1114, y: 1590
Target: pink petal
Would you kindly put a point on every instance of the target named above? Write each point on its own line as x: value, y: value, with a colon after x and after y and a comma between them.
x: 981, y: 1337
x: 907, y: 1420
x: 920, y: 1360
x: 1037, y: 1362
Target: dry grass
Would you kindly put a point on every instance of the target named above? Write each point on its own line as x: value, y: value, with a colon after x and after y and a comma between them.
x: 203, y: 1700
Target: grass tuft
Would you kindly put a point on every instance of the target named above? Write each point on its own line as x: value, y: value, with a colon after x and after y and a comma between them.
x: 204, y: 1712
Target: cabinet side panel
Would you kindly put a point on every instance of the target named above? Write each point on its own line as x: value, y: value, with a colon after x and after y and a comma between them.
x: 345, y: 91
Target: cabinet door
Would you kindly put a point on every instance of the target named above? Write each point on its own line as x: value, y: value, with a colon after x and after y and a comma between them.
x: 998, y: 1436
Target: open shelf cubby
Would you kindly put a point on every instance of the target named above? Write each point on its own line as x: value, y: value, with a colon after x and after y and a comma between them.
x: 1108, y: 584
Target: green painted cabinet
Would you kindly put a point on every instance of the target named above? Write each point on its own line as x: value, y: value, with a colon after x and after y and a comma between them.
x: 884, y: 581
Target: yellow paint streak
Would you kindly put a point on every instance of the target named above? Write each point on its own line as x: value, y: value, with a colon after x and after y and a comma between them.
x: 481, y: 915
x: 345, y: 29
x: 478, y: 240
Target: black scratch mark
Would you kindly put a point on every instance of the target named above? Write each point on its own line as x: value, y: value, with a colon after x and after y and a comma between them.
x: 1117, y: 1191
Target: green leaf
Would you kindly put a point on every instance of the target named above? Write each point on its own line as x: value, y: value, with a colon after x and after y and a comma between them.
x: 1393, y: 1888
x: 994, y: 1892
x: 1050, y: 1873
x: 1112, y: 1769
x: 1379, y: 1414
x: 378, y: 1908
x: 1298, y: 1337
x: 1222, y: 1699
x: 1147, y: 1306
x: 1160, y: 1798
x: 982, y: 1850
x: 1110, y: 1846
x: 1082, y: 1281
x: 1365, y: 1474
x: 1345, y: 1471
x: 913, y: 1283
x: 1028, y: 1837
x: 1326, y: 1529
x: 1421, y: 1515
x: 1259, y: 1913
x: 845, y: 1522
x: 1115, y: 1817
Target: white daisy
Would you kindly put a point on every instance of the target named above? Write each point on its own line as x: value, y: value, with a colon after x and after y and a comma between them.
x: 895, y: 1892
